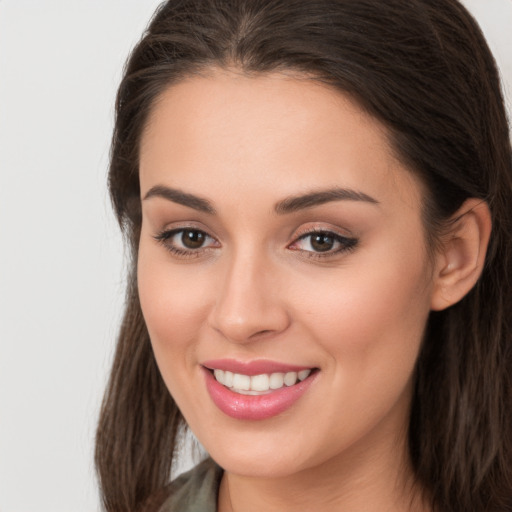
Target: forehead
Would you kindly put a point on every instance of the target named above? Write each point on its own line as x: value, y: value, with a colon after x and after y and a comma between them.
x: 279, y: 129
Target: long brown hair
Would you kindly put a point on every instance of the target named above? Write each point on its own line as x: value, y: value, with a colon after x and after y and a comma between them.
x: 423, y: 68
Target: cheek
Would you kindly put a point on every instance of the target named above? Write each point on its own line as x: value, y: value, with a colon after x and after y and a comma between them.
x: 370, y: 316
x: 172, y: 301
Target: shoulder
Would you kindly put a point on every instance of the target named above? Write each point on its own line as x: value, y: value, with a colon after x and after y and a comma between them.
x: 194, y: 491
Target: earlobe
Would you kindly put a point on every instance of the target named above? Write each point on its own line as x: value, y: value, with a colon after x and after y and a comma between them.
x: 461, y: 258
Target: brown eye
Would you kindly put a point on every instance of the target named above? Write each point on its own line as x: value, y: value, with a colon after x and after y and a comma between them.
x: 322, y: 242
x: 192, y: 238
x: 185, y: 242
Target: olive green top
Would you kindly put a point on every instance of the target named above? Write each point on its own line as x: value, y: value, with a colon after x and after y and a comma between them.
x: 195, y: 490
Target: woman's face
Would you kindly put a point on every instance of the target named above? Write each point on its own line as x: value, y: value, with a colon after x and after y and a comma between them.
x: 281, y: 240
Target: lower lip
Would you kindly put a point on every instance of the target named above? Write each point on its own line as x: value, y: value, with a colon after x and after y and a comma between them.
x: 255, y: 407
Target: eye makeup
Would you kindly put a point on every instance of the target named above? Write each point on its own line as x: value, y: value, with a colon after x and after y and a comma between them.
x: 319, y: 243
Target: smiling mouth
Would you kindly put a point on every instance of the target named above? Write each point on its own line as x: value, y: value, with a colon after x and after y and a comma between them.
x: 256, y: 390
x: 262, y: 384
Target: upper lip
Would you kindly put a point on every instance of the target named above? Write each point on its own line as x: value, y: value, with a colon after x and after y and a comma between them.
x: 256, y: 367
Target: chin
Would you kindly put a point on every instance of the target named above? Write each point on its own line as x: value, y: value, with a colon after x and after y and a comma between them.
x: 259, y: 459
x: 258, y: 467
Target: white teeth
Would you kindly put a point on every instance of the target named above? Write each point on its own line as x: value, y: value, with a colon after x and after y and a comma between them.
x: 303, y: 374
x: 228, y: 379
x: 242, y: 382
x: 290, y: 378
x: 258, y: 384
x: 276, y: 380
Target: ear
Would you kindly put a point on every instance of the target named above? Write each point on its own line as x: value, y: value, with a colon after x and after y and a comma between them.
x: 461, y: 257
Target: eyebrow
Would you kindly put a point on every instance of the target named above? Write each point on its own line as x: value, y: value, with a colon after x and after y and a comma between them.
x: 288, y: 205
x: 316, y: 198
x: 183, y: 198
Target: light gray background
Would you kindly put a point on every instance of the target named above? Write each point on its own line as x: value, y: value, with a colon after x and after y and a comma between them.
x: 61, y: 258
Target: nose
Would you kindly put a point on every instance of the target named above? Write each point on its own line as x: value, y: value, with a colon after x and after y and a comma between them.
x: 249, y: 303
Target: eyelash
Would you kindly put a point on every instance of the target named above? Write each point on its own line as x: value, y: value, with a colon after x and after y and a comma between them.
x: 346, y: 244
x: 165, y: 238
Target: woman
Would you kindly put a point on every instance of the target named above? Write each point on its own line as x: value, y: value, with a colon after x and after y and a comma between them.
x: 317, y: 199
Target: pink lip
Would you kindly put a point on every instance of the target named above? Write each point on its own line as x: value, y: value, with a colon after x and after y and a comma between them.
x: 255, y: 407
x: 251, y: 368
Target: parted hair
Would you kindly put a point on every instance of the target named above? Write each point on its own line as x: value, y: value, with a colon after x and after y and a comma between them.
x: 424, y: 70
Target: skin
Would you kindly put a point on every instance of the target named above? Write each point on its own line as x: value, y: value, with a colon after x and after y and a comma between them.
x: 257, y: 290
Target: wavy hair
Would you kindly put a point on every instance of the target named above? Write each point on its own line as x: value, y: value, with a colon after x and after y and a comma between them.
x: 422, y: 68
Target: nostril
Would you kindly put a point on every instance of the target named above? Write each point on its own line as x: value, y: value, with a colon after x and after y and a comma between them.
x: 261, y: 333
